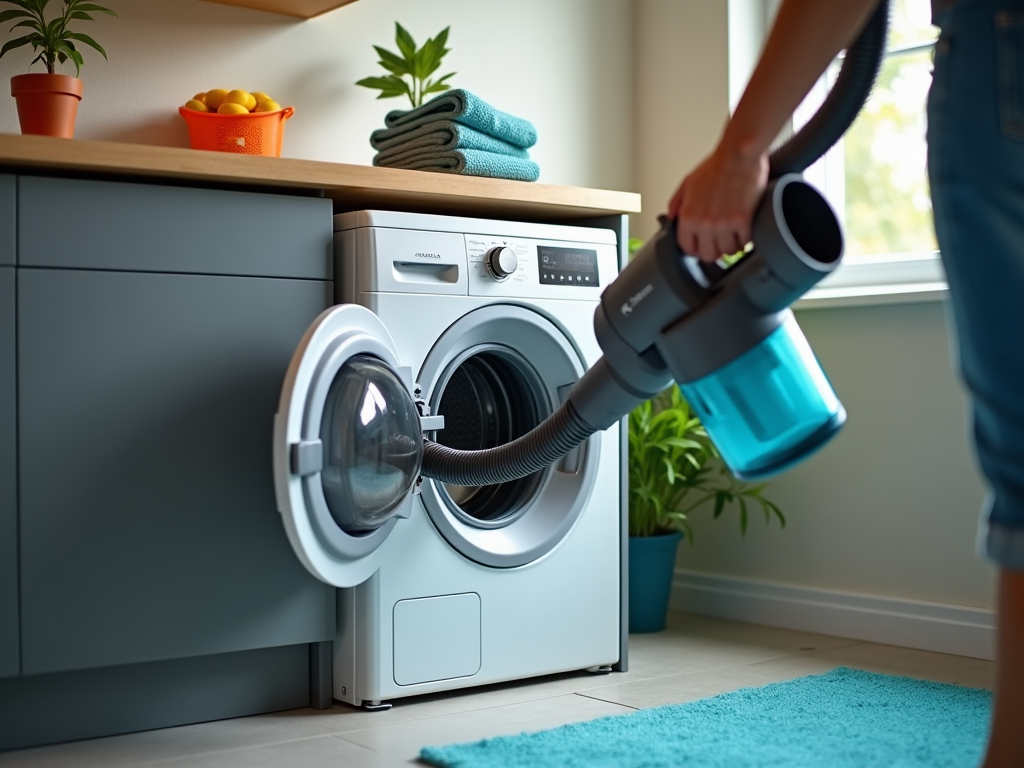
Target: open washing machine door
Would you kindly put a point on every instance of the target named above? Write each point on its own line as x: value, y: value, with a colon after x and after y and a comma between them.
x: 348, y: 445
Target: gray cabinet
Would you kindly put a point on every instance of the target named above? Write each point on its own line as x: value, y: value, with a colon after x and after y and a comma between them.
x: 150, y: 357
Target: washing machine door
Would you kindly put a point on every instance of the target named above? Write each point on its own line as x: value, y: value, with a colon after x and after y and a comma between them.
x: 347, y: 445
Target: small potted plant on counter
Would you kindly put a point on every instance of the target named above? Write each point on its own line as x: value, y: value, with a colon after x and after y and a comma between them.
x: 48, y: 102
x: 674, y: 471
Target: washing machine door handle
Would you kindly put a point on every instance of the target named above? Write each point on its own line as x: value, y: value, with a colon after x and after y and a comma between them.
x: 347, y: 445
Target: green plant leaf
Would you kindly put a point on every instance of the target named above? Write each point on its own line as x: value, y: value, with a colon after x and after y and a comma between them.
x: 88, y: 41
x: 23, y: 5
x: 389, y: 86
x: 719, y: 504
x: 67, y: 50
x: 392, y: 61
x: 13, y: 14
x: 81, y: 15
x: 405, y: 44
x: 439, y: 85
x: 10, y: 45
x: 94, y: 8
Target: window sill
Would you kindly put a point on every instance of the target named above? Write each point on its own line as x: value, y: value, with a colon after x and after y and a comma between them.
x: 871, y: 280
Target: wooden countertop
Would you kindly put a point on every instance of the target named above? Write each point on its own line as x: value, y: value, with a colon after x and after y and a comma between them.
x: 351, y: 187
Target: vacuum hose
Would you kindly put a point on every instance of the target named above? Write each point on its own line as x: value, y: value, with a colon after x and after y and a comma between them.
x: 566, y: 428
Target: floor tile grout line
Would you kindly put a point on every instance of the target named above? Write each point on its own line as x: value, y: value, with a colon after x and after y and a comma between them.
x: 228, y: 750
x: 607, y: 701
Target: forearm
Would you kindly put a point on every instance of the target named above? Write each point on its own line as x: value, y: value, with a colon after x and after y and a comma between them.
x: 806, y: 36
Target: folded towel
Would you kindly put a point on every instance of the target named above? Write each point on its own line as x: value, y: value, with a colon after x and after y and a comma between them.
x: 468, y: 162
x: 466, y: 109
x: 440, y: 136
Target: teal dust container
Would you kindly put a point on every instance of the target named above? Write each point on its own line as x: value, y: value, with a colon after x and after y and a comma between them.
x: 769, y: 408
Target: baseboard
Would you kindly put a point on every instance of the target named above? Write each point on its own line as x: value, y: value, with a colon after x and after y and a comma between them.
x: 87, y: 703
x: 955, y: 629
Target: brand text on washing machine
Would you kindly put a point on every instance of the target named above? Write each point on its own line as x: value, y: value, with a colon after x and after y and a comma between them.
x: 427, y: 255
x: 636, y: 298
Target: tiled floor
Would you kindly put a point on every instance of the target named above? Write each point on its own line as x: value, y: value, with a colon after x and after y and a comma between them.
x: 694, y: 658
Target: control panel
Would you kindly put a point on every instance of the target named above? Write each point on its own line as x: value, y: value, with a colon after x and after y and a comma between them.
x: 394, y: 252
x: 568, y: 266
x: 512, y: 266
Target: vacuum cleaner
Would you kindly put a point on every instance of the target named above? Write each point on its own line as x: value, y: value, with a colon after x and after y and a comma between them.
x: 725, y: 334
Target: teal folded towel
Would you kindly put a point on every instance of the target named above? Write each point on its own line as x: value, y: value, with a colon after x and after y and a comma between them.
x: 442, y: 136
x: 466, y: 109
x: 468, y: 162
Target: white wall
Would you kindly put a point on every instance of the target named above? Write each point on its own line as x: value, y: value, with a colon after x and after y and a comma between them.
x: 681, y: 96
x: 890, y: 506
x: 564, y: 65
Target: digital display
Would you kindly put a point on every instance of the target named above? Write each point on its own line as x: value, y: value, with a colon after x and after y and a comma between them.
x: 567, y: 266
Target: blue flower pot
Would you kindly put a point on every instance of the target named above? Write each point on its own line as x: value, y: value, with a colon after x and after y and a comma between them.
x: 652, y: 560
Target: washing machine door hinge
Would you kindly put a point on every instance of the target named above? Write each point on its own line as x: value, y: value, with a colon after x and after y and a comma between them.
x: 307, y: 457
x: 428, y: 423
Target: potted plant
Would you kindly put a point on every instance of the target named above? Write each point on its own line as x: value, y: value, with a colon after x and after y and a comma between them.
x: 674, y: 471
x: 416, y: 64
x: 48, y: 102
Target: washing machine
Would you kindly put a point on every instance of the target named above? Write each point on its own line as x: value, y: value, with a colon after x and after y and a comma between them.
x: 471, y: 332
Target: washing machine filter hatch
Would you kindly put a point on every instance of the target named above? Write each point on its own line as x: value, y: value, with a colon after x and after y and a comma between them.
x: 492, y: 396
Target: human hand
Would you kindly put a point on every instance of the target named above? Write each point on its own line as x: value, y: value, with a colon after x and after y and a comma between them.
x: 715, y: 203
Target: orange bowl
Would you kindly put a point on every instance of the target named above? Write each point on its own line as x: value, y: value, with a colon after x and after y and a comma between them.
x: 258, y: 133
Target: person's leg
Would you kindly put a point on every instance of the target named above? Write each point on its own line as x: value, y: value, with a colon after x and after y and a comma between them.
x: 976, y: 168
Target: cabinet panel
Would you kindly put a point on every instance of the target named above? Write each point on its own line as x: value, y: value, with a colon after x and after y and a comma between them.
x: 9, y: 658
x: 8, y: 220
x: 149, y: 528
x: 150, y: 228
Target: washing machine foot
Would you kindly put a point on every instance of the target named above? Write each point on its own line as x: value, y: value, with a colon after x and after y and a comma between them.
x: 376, y: 706
x: 603, y: 669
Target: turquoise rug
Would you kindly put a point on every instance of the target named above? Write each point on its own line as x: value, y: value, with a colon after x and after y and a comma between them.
x: 842, y: 719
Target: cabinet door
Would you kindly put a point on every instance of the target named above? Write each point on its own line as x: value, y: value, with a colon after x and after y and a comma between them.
x: 149, y: 528
x: 9, y: 657
x: 156, y: 228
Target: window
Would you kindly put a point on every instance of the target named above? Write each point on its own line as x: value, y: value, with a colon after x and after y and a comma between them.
x: 876, y: 176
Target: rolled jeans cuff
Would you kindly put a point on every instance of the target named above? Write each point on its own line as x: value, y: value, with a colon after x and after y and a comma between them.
x: 1002, y: 544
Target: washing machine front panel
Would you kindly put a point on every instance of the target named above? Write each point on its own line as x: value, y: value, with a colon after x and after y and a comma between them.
x: 347, y: 446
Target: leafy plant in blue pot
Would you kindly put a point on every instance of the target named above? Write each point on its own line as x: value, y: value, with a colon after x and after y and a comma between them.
x: 674, y: 471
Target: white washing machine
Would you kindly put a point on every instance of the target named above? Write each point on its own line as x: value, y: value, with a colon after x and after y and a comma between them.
x: 486, y: 324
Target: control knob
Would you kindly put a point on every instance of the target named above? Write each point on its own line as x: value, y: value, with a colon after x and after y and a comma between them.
x: 501, y: 262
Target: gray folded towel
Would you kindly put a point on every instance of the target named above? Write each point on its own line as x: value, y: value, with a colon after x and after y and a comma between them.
x: 442, y: 136
x: 466, y: 109
x: 467, y: 162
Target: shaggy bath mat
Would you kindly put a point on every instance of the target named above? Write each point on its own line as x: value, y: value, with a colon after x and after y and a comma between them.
x: 842, y: 719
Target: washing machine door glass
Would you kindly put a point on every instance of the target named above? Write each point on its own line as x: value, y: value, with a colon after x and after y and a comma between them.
x: 347, y: 445
x: 371, y: 447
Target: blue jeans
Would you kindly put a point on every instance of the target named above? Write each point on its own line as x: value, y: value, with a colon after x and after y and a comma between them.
x: 976, y: 169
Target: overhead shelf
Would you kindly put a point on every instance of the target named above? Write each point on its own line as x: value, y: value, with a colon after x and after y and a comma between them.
x: 303, y: 9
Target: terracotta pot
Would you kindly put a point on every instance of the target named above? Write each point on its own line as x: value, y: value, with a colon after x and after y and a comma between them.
x: 47, y: 104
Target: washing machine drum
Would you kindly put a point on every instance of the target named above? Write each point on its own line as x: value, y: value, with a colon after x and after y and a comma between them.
x: 372, y: 446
